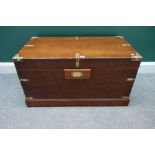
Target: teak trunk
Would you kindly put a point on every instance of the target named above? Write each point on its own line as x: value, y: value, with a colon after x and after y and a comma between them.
x: 77, y: 71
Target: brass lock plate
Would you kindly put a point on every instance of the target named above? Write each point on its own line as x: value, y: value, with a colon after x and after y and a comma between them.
x: 77, y: 73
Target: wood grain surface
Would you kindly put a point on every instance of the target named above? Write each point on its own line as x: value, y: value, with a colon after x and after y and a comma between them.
x: 104, y: 82
x: 67, y: 47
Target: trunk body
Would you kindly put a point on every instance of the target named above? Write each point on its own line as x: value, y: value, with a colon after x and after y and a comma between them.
x: 84, y: 71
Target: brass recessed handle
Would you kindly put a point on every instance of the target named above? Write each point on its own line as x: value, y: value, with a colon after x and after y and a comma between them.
x: 77, y: 73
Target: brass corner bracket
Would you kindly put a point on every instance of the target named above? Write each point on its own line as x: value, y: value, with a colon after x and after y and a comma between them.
x: 120, y: 37
x: 24, y: 80
x: 17, y: 58
x: 28, y: 45
x: 125, y: 97
x: 130, y: 79
x: 34, y: 37
x: 29, y: 98
x: 136, y: 57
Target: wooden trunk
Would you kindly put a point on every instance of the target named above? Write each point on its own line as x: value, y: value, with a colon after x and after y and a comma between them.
x: 77, y: 71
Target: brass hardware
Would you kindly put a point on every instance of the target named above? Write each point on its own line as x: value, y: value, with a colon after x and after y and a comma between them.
x: 76, y: 38
x: 120, y: 37
x: 29, y: 98
x: 17, y: 58
x: 82, y: 56
x: 77, y: 57
x: 125, y: 44
x: 77, y: 74
x: 125, y: 97
x: 28, y: 45
x: 130, y: 79
x: 34, y: 38
x: 136, y: 57
x: 24, y: 80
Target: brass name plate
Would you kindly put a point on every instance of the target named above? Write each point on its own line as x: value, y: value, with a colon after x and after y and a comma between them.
x: 77, y: 73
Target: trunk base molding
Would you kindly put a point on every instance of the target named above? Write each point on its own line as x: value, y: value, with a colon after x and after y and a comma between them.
x: 77, y: 102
